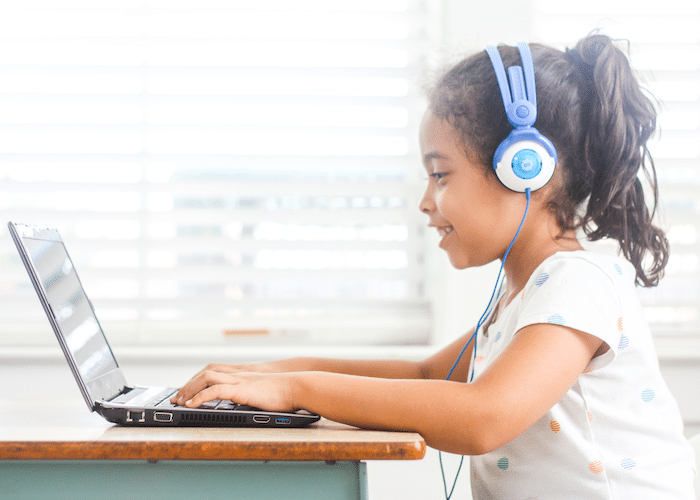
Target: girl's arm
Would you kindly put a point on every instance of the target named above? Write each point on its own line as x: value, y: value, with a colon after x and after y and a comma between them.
x: 437, y: 366
x: 542, y: 362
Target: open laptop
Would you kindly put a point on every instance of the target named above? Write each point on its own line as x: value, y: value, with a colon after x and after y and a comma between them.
x: 90, y: 357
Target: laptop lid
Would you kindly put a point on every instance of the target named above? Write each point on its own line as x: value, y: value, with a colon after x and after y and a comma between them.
x: 70, y: 312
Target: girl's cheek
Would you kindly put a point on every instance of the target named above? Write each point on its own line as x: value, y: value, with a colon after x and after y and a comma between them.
x: 441, y: 200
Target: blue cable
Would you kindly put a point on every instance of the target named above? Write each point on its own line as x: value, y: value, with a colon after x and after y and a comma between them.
x: 487, y: 312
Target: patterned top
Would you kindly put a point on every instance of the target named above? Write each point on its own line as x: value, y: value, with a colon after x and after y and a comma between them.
x: 617, y: 433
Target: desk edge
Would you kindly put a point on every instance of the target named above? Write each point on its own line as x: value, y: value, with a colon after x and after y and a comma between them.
x: 208, y: 450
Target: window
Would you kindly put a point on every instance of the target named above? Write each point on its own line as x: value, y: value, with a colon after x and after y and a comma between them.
x: 665, y: 49
x: 220, y: 170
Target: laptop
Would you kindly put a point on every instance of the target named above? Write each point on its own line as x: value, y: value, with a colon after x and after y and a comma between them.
x: 92, y: 361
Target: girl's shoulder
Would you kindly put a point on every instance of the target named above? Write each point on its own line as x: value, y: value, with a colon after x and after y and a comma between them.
x: 579, y: 284
x: 587, y: 291
x: 584, y: 266
x: 576, y: 289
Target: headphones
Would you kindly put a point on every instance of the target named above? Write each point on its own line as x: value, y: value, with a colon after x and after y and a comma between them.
x: 525, y: 159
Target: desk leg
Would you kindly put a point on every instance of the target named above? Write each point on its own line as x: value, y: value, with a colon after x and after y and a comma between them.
x: 171, y: 480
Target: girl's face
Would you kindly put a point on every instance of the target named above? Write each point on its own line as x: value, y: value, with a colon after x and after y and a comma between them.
x: 474, y: 214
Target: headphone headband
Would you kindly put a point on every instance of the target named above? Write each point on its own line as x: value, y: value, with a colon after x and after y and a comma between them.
x: 520, y: 97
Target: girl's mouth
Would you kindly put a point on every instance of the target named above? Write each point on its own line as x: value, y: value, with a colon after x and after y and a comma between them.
x: 443, y: 232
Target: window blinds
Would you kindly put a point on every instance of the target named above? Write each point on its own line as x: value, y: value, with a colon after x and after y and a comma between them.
x: 665, y: 49
x: 219, y: 169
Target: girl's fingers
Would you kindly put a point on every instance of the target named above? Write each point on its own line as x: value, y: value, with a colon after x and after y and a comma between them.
x: 212, y: 367
x: 269, y: 392
x: 199, y: 383
x: 221, y: 368
x: 218, y: 391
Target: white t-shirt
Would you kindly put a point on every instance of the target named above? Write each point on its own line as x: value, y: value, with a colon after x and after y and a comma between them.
x: 617, y: 433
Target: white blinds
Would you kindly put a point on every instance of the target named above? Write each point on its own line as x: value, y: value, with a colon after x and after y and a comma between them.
x: 665, y: 48
x: 218, y: 168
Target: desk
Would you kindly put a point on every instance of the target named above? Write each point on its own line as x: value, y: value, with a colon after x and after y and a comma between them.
x: 57, y: 449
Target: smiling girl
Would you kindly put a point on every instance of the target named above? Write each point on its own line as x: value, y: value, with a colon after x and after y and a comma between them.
x: 558, y: 394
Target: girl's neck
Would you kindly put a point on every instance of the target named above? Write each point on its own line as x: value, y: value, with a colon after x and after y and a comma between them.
x: 529, y: 252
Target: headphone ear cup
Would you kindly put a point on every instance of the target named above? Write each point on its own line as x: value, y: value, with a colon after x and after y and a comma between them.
x: 524, y: 164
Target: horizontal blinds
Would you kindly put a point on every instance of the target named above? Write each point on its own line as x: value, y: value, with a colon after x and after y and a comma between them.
x: 220, y: 170
x: 665, y: 49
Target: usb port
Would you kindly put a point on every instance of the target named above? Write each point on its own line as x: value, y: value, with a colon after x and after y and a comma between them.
x: 261, y: 419
x: 283, y: 420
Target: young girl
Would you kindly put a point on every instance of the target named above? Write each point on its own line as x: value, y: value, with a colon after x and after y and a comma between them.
x: 560, y: 397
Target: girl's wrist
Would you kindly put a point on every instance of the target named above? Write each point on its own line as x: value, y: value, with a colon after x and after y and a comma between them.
x: 296, y: 383
x: 297, y: 365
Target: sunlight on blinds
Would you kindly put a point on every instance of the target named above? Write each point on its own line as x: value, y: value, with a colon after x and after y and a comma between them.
x: 218, y: 166
x: 665, y: 49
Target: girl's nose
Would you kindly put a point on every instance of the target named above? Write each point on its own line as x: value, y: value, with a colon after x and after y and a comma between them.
x: 427, y: 203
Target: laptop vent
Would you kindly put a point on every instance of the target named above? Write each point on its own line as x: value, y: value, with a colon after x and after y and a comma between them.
x: 213, y: 418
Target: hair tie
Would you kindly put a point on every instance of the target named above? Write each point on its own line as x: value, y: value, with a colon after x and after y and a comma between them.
x: 585, y: 75
x: 576, y: 58
x: 584, y: 69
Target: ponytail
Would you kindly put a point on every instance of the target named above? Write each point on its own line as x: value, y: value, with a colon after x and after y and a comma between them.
x: 617, y: 121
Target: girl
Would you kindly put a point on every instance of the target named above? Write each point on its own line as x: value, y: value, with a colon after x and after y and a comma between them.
x: 565, y: 399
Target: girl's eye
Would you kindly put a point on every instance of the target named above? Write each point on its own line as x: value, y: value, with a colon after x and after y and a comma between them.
x: 438, y: 175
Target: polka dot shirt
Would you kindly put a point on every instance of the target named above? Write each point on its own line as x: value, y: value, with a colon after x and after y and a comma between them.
x: 617, y: 433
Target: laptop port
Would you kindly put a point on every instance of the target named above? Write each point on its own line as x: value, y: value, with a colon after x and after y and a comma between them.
x: 283, y: 420
x: 135, y: 416
x: 162, y: 416
x: 261, y: 419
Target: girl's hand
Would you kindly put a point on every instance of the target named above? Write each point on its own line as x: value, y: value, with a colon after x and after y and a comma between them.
x: 227, y: 369
x: 267, y: 391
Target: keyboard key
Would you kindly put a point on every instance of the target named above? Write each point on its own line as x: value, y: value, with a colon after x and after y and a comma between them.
x: 210, y: 405
x: 166, y: 404
x: 227, y: 405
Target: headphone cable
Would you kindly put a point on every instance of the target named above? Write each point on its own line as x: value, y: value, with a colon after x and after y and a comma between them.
x: 487, y: 312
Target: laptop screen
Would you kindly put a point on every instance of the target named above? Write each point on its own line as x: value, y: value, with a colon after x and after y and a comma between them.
x: 71, y: 308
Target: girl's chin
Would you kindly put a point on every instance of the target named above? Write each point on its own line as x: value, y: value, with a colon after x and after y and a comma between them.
x: 458, y: 261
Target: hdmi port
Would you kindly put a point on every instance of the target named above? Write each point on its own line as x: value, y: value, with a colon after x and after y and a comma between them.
x: 261, y: 419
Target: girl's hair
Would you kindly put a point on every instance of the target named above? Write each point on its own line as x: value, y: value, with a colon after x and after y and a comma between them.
x: 592, y: 108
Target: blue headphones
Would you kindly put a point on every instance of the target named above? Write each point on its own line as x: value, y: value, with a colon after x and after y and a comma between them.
x: 525, y: 159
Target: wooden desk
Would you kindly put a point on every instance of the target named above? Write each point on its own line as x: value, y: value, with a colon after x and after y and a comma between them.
x: 59, y: 450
